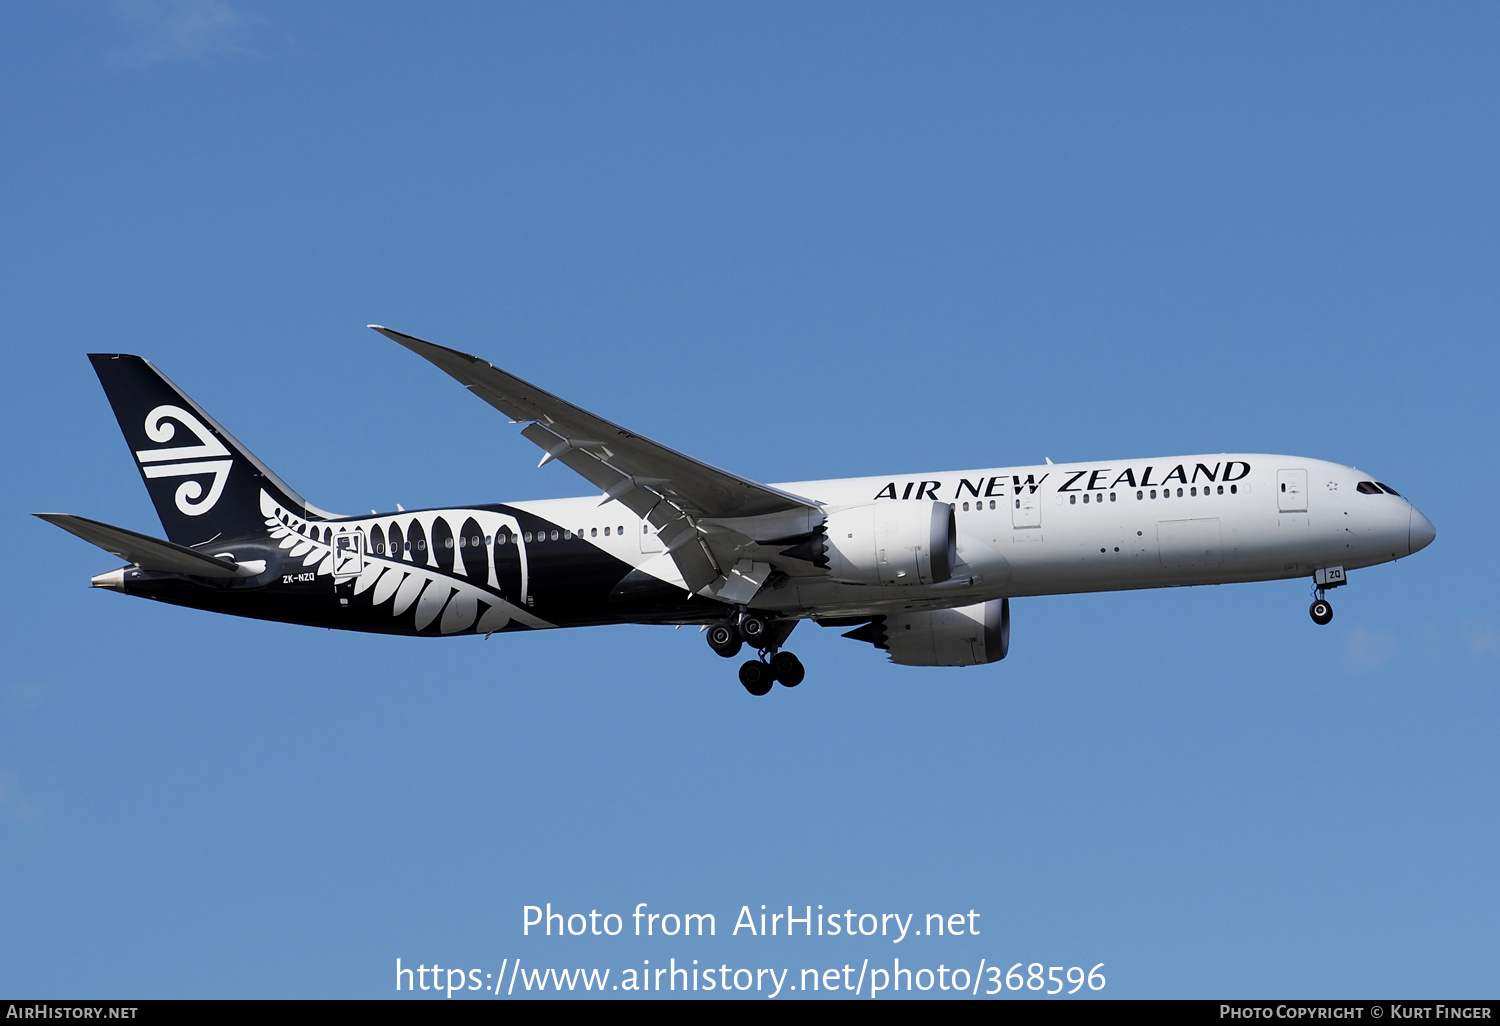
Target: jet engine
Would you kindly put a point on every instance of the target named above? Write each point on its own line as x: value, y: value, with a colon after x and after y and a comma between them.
x: 890, y: 541
x: 966, y: 636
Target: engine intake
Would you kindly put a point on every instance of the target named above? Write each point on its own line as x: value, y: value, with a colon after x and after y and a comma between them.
x: 891, y: 541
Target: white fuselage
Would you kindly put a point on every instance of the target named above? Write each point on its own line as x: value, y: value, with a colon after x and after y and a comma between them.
x: 1083, y: 527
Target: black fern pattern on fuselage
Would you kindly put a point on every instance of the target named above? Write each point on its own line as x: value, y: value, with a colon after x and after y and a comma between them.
x: 436, y: 572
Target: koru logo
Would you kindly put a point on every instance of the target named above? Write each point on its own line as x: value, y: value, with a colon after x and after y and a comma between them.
x: 185, y: 460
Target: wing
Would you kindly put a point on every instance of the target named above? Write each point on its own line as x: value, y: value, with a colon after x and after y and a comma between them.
x: 686, y: 500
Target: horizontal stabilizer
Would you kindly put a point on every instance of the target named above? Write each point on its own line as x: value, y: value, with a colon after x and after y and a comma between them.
x: 146, y: 552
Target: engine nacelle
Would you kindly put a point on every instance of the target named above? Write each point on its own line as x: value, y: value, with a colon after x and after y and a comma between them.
x: 892, y: 541
x: 966, y: 636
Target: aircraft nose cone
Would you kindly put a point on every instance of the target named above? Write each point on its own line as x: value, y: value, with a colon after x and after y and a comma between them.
x: 1422, y: 531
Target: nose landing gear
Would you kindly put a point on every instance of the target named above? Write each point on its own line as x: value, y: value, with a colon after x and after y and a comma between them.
x: 759, y: 675
x: 1321, y: 610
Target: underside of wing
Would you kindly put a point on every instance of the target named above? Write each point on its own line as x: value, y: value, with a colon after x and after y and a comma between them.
x: 679, y: 496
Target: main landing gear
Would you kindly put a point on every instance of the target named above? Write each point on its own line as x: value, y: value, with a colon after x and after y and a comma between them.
x: 1321, y: 610
x: 758, y: 675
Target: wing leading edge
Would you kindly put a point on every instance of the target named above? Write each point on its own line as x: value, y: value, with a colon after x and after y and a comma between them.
x: 672, y: 491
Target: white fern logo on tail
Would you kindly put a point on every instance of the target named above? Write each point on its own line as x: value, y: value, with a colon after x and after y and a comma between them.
x: 189, y: 460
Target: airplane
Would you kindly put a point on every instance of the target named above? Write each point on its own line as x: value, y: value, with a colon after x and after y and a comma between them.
x: 922, y: 566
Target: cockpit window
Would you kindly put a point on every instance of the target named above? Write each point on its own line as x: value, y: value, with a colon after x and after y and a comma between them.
x: 1390, y: 489
x: 1367, y: 488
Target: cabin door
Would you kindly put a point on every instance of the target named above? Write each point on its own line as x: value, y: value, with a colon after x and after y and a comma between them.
x: 1291, y: 491
x: 348, y: 555
x: 1025, y: 509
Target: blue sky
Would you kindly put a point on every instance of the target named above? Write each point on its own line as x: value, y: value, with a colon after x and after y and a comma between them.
x: 798, y: 241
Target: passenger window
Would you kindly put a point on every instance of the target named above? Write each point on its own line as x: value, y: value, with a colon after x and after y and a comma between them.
x: 966, y: 507
x: 527, y: 536
x: 1195, y: 492
x: 606, y: 532
x: 1072, y: 500
x: 1111, y: 496
x: 1234, y: 489
x: 1221, y: 489
x: 593, y: 532
x: 992, y: 504
x: 1153, y: 493
x: 1179, y: 493
x: 621, y: 531
x: 1140, y: 495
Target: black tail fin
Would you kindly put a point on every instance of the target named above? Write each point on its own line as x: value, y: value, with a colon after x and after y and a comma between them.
x: 204, y: 483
